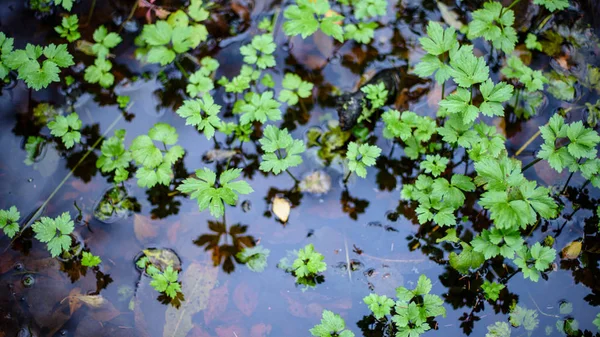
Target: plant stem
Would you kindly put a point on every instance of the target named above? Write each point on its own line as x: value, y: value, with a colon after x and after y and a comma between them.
x: 443, y: 89
x: 41, y: 208
x: 543, y: 23
x: 567, y: 183
x: 131, y: 13
x: 181, y: 69
x: 91, y: 12
x: 347, y: 177
x: 535, y: 161
x: 529, y: 141
x: 291, y: 175
x: 303, y: 107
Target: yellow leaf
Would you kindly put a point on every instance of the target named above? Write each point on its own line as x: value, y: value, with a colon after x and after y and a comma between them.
x: 281, y: 208
x: 572, y: 250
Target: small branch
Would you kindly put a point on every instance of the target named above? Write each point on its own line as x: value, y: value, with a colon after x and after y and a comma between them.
x: 535, y: 161
x: 529, y: 141
x: 131, y: 13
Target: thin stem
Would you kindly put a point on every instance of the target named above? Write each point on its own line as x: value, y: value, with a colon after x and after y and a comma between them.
x: 517, y: 98
x: 567, y: 183
x: 181, y: 69
x: 131, y: 13
x: 91, y: 12
x: 471, y: 102
x: 443, y: 89
x: 303, y: 107
x: 535, y: 161
x: 291, y: 175
x: 544, y: 22
x: 347, y: 177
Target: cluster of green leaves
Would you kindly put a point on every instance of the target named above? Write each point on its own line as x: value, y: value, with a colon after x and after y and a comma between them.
x: 104, y: 41
x: 55, y: 233
x: 9, y: 221
x: 99, y: 72
x: 438, y: 44
x: 553, y: 5
x: 294, y: 88
x: 532, y: 80
x: 155, y: 163
x: 494, y: 23
x: 202, y: 113
x: 523, y: 317
x: 571, y: 146
x: 332, y: 325
x: 376, y: 96
x: 164, y: 281
x: 67, y: 128
x: 360, y: 157
x: 255, y: 258
x: 26, y: 62
x: 412, y: 129
x: 201, y: 81
x: 115, y: 157
x: 260, y: 51
x: 163, y: 40
x: 66, y: 4
x: 273, y: 142
x: 306, y: 267
x: 90, y: 260
x: 204, y: 189
x: 412, y: 311
x: 69, y: 28
x: 535, y: 260
x: 492, y: 290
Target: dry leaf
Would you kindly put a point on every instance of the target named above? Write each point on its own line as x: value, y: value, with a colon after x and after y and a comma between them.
x: 74, y: 302
x: 260, y: 330
x: 281, y: 208
x: 143, y: 227
x: 198, y: 280
x: 102, y: 309
x: 317, y: 182
x: 450, y: 16
x: 217, y: 303
x: 245, y: 299
x: 572, y: 250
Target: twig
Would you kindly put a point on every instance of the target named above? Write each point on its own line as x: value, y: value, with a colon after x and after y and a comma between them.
x: 347, y: 258
x: 529, y: 141
x: 392, y: 260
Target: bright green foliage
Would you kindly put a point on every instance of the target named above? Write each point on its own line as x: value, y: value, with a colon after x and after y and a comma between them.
x: 68, y: 28
x: 156, y: 164
x: 461, y: 101
x: 492, y: 290
x: 451, y: 193
x: 380, y: 305
x: 114, y: 156
x: 494, y: 23
x: 309, y: 263
x: 532, y: 79
x: 482, y: 140
x: 254, y: 257
x: 242, y: 81
x: 267, y: 81
x: 438, y: 43
x: 166, y: 282
x: 332, y: 325
x: 360, y: 157
x: 66, y: 4
x: 495, y: 241
x: 260, y: 108
x: 202, y: 113
x: 498, y: 329
x: 55, y: 233
x: 363, y: 32
x: 123, y: 101
x: 208, y: 195
x: 260, y: 51
x: 376, y: 94
x: 90, y: 260
x: 597, y: 321
x: 535, y: 260
x: 201, y: 81
x: 36, y: 75
x: 467, y: 69
x: 104, y: 41
x: 413, y: 129
x: 294, y: 87
x: 369, y: 8
x: 527, y: 318
x: 307, y: 16
x: 196, y: 11
x: 434, y: 164
x: 100, y: 73
x: 266, y: 24
x: 553, y: 5
x: 275, y: 140
x: 33, y: 147
x: 67, y: 128
x: 532, y: 43
x: 414, y: 307
x: 467, y: 259
x: 176, y: 35
x: 9, y: 221
x: 6, y: 47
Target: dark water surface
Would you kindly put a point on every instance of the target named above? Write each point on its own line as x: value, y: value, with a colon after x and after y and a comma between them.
x: 368, y: 217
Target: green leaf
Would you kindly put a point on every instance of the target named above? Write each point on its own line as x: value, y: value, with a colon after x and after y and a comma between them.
x: 376, y: 94
x: 460, y: 103
x: 583, y: 141
x: 104, y: 41
x: 145, y: 153
x: 66, y: 4
x: 163, y: 132
x: 55, y: 233
x: 67, y: 128
x: 361, y: 157
x: 438, y: 40
x: 260, y: 51
x: 100, y: 73
x: 379, y: 305
x: 527, y: 318
x: 294, y: 87
x: 331, y: 325
x: 331, y: 27
x: 369, y: 8
x: 202, y: 113
x: 9, y: 221
x: 597, y: 321
x: 565, y: 308
x: 532, y: 43
x: 157, y: 34
x: 254, y: 257
x: 300, y: 21
x: 434, y: 164
x: 166, y: 282
x: 498, y: 241
x: 363, y: 32
x: 467, y: 69
x: 69, y: 28
x: 90, y: 260
x: 113, y: 153
x: 494, y: 96
x: 466, y: 260
x: 498, y: 329
x: 553, y: 5
x: 533, y: 262
x: 197, y: 12
x: 492, y: 290
x: 260, y: 107
x: 423, y: 286
x: 494, y: 23
x: 273, y: 141
x: 161, y: 55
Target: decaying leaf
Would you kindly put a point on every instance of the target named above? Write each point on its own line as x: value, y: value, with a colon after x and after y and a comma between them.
x: 450, y: 16
x: 217, y: 303
x: 102, y: 309
x: 245, y: 299
x: 218, y: 155
x: 198, y: 280
x: 317, y: 182
x: 260, y: 330
x: 572, y: 250
x: 281, y: 208
x: 162, y: 258
x: 143, y: 228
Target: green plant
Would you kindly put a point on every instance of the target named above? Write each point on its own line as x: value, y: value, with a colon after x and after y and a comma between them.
x: 90, y: 260
x: 332, y: 325
x: 192, y: 111
x: 254, y: 257
x: 308, y: 265
x: 260, y: 51
x: 523, y: 317
x: 498, y: 329
x: 361, y: 156
x: 166, y: 282
x: 553, y: 5
x: 260, y: 108
x: 104, y: 42
x: 307, y: 16
x: 434, y: 165
x: 293, y: 88
x: 9, y: 221
x: 68, y: 28
x: 438, y: 43
x: 56, y: 233
x: 66, y: 4
x: 201, y: 81
x: 535, y: 260
x: 26, y: 62
x: 123, y: 101
x: 100, y: 73
x: 381, y: 306
x: 492, y: 290
x: 275, y: 140
x: 67, y: 128
x: 532, y: 43
x: 212, y: 196
x: 115, y: 157
x: 494, y: 23
x: 156, y: 164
